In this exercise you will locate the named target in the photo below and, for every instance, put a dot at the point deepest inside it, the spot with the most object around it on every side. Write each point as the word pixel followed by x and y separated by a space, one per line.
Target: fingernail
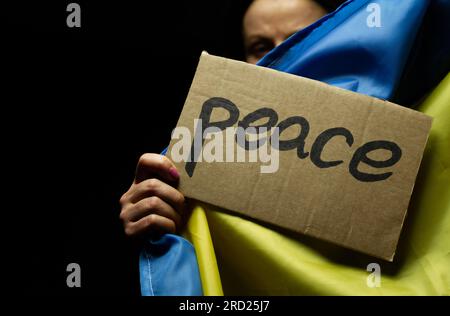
pixel 174 173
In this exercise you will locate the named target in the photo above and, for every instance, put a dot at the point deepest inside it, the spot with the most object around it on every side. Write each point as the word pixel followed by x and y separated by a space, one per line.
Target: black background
pixel 79 108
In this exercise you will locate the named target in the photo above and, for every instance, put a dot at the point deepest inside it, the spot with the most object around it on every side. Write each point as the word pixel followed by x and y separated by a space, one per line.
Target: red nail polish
pixel 174 173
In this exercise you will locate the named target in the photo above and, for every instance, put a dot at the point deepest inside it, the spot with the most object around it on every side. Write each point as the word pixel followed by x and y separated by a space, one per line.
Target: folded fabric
pixel 429 61
pixel 168 266
pixel 347 50
pixel 257 260
pixel 344 50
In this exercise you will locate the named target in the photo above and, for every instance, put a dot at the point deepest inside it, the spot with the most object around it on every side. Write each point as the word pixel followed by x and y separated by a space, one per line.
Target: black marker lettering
pixel 253 117
pixel 205 116
pixel 322 140
pixel 360 155
pixel 299 141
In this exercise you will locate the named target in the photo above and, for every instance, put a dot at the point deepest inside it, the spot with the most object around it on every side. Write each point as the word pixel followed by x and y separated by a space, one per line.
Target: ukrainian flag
pixel 401 59
pixel 239 257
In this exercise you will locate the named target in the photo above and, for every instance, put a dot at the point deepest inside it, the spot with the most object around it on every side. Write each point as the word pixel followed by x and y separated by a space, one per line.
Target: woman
pixel 153 204
pixel 376 61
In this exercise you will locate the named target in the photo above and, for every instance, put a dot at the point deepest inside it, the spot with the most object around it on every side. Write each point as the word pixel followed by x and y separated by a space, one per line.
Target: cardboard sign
pixel 341 165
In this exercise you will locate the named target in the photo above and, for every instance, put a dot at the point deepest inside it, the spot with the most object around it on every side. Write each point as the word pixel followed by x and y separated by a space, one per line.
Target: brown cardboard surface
pixel 316 199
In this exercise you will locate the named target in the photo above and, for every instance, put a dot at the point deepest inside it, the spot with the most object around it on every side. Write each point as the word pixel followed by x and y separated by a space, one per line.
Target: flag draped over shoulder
pixel 362 47
pixel 380 58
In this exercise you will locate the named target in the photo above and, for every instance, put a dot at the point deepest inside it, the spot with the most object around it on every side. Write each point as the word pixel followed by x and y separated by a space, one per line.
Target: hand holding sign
pixel 152 204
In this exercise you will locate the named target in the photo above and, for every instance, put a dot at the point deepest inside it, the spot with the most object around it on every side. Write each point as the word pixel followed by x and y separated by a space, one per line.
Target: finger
pixel 151 223
pixel 153 205
pixel 151 165
pixel 155 187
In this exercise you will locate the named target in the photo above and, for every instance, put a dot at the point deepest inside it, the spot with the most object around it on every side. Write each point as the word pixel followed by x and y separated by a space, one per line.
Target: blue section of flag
pixel 168 266
pixel 363 46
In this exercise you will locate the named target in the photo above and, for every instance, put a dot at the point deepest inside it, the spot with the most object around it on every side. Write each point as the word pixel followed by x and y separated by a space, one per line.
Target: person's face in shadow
pixel 267 23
